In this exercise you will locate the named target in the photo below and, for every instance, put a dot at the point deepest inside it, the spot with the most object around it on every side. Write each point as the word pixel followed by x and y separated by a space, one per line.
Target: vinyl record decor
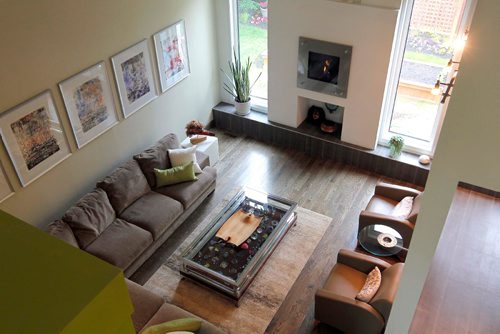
pixel 134 77
pixel 34 137
pixel 5 188
pixel 172 54
pixel 89 103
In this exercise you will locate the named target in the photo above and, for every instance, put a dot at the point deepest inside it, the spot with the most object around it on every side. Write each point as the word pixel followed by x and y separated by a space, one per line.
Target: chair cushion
pixel 415 208
pixel 371 286
pixel 169 312
pixel 170 141
pixel 145 303
pixel 403 208
pixel 62 231
pixel 121 243
pixel 125 185
pixel 91 215
pixel 153 157
pixel 188 192
pixel 383 299
pixel 345 281
pixel 153 212
pixel 380 204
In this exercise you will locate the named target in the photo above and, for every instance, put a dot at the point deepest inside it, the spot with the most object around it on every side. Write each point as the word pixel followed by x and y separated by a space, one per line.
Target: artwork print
pixel 172 55
pixel 34 138
pixel 134 77
pixel 89 103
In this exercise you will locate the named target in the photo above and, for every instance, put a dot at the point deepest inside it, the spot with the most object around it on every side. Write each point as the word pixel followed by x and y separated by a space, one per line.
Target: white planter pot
pixel 242 108
pixel 263 12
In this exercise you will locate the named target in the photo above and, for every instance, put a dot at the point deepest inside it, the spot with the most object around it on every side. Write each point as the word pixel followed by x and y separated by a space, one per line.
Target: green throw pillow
pixel 184 324
pixel 166 177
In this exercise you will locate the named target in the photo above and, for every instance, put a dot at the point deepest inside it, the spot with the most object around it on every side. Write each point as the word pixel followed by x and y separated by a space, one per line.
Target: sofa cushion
pixel 170 141
pixel 145 303
pixel 153 212
pixel 169 312
pixel 91 215
pixel 182 156
pixel 121 243
pixel 125 185
pixel 174 175
pixel 153 157
pixel 62 231
pixel 188 192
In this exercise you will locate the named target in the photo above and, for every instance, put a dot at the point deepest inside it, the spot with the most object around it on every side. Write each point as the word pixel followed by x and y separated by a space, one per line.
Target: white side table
pixel 210 147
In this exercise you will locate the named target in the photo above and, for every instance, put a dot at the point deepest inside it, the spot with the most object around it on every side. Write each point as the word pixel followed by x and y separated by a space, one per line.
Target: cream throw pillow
pixel 182 156
pixel 403 208
pixel 372 284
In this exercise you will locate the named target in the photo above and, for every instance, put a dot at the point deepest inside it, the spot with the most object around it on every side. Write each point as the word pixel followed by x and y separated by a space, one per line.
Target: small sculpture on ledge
pixel 196 128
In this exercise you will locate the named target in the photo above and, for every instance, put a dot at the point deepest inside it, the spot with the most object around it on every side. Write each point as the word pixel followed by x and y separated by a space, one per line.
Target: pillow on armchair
pixel 403 208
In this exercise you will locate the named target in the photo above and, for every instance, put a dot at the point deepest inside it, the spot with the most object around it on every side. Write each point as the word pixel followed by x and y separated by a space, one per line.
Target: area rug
pixel 265 294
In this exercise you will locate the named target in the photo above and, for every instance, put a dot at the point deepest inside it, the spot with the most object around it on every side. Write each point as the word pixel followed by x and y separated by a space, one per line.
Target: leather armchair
pixel 335 303
pixel 379 209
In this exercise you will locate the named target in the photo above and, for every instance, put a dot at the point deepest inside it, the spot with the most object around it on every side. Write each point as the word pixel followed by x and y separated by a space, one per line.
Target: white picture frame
pixel 89 103
pixel 34 138
pixel 6 190
pixel 134 77
pixel 172 55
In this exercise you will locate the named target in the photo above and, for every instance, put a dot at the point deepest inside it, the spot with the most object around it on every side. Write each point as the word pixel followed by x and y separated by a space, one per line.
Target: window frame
pixel 414 145
pixel 258 104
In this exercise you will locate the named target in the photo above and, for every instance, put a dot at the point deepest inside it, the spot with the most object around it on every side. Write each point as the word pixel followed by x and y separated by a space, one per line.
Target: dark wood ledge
pixel 256 125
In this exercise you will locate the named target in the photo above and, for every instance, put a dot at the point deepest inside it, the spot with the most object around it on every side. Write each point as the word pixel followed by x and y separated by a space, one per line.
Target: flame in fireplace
pixel 326 65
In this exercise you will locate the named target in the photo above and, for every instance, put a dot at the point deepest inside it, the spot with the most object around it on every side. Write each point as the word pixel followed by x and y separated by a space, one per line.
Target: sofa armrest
pixel 403 226
pixel 202 159
pixel 361 262
pixel 348 315
pixel 394 191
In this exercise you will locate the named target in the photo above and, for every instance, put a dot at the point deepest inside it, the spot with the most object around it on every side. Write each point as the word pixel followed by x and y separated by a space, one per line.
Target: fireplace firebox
pixel 323 66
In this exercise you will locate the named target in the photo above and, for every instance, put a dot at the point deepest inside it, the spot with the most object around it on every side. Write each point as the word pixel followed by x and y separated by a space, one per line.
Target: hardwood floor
pixel 336 190
pixel 462 291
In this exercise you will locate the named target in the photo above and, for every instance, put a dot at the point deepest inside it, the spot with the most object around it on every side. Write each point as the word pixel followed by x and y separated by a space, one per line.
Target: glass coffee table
pixel 380 240
pixel 229 268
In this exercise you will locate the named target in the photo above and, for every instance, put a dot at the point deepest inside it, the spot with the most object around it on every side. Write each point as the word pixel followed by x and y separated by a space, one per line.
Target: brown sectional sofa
pixel 150 309
pixel 126 218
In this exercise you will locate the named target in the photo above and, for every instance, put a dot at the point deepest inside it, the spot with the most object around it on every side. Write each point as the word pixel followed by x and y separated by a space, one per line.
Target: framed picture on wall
pixel 89 103
pixel 134 77
pixel 34 137
pixel 172 54
pixel 5 187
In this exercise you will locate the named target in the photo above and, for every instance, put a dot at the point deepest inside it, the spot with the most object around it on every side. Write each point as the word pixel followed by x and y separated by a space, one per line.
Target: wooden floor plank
pixel 462 289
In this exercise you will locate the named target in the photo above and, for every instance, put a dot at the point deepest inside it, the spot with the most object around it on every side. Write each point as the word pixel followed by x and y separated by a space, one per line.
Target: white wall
pixel 46 41
pixel 468 150
pixel 369 30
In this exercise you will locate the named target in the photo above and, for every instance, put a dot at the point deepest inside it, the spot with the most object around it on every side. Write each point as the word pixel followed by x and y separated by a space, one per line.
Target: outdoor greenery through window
pixel 433 30
pixel 252 33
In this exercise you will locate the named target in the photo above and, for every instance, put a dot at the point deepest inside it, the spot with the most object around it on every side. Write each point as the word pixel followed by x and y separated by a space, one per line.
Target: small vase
pixel 394 152
pixel 242 108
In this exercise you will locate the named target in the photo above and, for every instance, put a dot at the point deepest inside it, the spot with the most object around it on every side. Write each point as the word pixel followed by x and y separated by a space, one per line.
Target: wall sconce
pixel 437 87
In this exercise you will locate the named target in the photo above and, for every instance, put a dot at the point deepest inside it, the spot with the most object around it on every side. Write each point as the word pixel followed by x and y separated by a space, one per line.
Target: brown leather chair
pixel 335 303
pixel 379 209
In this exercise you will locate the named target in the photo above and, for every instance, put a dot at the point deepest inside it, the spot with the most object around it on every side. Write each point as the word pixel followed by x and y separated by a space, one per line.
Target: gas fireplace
pixel 323 66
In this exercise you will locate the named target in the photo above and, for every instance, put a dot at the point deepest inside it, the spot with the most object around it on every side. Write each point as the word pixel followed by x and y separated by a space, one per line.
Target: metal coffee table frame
pixel 230 287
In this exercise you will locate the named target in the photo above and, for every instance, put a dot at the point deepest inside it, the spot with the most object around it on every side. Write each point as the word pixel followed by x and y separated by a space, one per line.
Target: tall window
pixel 428 41
pixel 252 42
